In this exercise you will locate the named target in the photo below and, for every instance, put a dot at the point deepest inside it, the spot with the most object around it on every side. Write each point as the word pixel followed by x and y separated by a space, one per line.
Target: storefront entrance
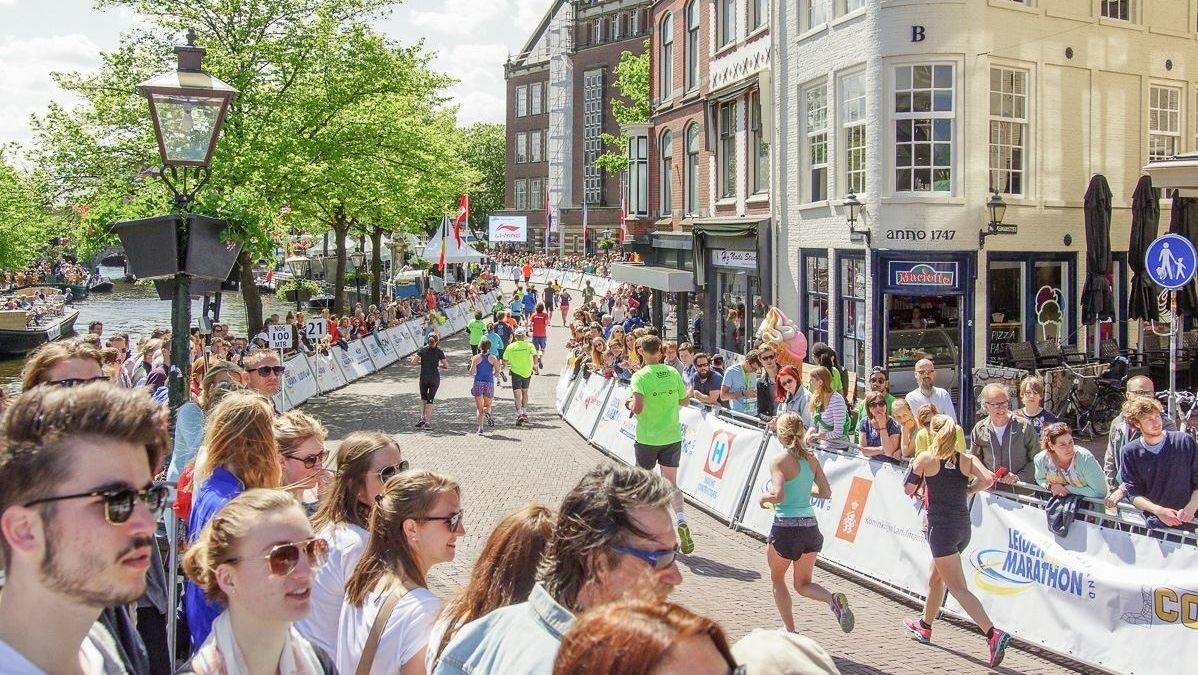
pixel 1032 297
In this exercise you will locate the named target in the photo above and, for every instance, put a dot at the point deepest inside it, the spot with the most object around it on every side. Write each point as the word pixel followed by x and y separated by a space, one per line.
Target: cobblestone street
pixel 726 577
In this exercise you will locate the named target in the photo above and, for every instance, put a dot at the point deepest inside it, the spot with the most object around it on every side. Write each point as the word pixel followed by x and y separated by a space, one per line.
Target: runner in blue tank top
pixel 946 475
pixel 482 366
pixel 795 537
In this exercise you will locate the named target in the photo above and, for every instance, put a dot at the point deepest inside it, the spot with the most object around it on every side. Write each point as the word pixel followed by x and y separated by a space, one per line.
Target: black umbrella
pixel 1098 303
pixel 1145 219
pixel 1183 220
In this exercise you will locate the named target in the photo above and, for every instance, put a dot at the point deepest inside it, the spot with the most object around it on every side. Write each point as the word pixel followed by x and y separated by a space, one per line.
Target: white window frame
pixel 597 32
pixel 666 57
pixel 1117 10
pixel 536 193
pixel 666 163
pixel 691 57
pixel 634 22
pixel 535 147
pixel 728 123
pixel 814 14
pixel 759 171
pixel 1164 120
pixel 638 175
pixel 536 98
pixel 949 116
pixel 593 105
pixel 815 140
pixel 725 23
pixel 522 101
pixel 617 25
pixel 853 112
pixel 1194 147
pixel 1015 121
pixel 691 197
pixel 759 14
pixel 850 6
pixel 521 194
pixel 521 147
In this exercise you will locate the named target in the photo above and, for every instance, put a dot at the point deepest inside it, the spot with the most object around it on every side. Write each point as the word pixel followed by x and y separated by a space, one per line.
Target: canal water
pixel 136 310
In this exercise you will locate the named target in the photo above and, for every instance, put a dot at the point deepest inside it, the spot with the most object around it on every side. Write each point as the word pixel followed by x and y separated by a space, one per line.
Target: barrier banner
pixel 382 353
pixel 280 401
pixel 573 281
pixel 415 329
pixel 597 283
pixel 555 276
pixel 565 387
pixel 539 275
pixel 615 433
pixel 298 380
pixel 869 524
pixel 717 460
pixel 583 410
pixel 328 373
pixel 1092 594
pixel 356 361
pixel 455 323
pixel 401 340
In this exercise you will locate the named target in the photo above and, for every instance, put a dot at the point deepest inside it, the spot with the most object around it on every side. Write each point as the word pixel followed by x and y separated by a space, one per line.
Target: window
pixel 758 14
pixel 638 175
pixel 852 120
pixel 854 5
pixel 815 293
pixel 759 148
pixel 691 188
pixel 634 23
pixel 667 173
pixel 521 194
pixel 1116 9
pixel 817 142
pixel 537 94
pixel 692 45
pixel 534 147
pixel 923 128
pixel 816 14
pixel 536 200
pixel 597 32
pixel 592 128
pixel 521 147
pixel 521 101
pixel 617 25
pixel 852 315
pixel 666 61
pixel 727 157
pixel 727 21
pixel 1164 122
pixel 1008 130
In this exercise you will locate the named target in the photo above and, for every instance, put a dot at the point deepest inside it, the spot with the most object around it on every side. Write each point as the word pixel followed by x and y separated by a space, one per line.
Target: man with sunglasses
pixel 264 372
pixel 879 381
pixel 706 382
pixel 740 384
pixel 614 540
pixel 77 515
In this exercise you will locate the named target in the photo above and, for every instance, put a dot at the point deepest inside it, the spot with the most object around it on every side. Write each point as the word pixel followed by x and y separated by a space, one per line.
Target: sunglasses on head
pixel 388 472
pixel 119 502
pixel 454 520
pixel 284 558
pixel 658 560
pixel 311 461
pixel 76 381
pixel 267 371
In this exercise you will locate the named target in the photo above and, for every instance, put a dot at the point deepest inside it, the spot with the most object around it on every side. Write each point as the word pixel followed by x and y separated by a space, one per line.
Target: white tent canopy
pixel 453 252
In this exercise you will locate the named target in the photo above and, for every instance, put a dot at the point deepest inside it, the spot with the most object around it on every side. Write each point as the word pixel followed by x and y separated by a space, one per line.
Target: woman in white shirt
pixel 365 460
pixel 416 524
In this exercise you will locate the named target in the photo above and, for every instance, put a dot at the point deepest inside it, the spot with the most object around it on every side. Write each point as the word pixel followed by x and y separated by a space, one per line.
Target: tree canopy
pixel 632 81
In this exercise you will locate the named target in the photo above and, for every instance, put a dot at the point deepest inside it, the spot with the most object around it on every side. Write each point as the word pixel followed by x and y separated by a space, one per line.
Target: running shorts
pixel 428 390
pixel 649 456
pixel 946 540
pixel 482 388
pixel 541 343
pixel 793 539
pixel 473 350
pixel 519 382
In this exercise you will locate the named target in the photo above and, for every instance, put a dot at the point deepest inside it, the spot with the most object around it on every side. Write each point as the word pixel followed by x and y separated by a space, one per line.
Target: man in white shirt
pixel 928 392
pixel 77 516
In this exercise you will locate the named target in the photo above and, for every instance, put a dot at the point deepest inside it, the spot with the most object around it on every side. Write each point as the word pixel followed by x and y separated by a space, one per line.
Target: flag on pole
pixel 584 226
pixel 444 232
pixel 623 218
pixel 463 217
pixel 548 221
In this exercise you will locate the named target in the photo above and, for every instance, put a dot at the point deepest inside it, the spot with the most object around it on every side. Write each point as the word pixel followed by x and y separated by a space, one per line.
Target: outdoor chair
pixel 1022 356
pixel 1048 354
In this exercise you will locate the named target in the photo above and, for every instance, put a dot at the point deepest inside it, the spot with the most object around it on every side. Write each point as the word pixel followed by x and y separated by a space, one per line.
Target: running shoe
pixel 490 420
pixel 844 615
pixel 421 424
pixel 918 632
pixel 480 430
pixel 685 543
pixel 998 642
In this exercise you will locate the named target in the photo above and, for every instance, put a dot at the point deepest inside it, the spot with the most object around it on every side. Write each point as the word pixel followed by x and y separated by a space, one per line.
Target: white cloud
pixel 8 3
pixel 25 68
pixel 460 17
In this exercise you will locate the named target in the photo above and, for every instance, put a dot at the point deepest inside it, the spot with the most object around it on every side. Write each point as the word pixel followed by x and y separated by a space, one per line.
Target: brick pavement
pixel 726 578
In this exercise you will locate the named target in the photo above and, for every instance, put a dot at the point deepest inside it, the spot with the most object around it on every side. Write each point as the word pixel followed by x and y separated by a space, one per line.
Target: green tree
pixel 484 149
pixel 632 81
pixel 25 222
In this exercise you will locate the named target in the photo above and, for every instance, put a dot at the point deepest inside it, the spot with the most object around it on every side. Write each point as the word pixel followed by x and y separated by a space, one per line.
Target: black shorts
pixel 946 540
pixel 649 456
pixel 793 542
pixel 428 390
pixel 473 350
pixel 519 382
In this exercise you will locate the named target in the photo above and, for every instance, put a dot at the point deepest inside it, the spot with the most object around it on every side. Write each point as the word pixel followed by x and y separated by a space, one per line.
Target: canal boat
pixel 99 284
pixel 20 333
pixel 78 291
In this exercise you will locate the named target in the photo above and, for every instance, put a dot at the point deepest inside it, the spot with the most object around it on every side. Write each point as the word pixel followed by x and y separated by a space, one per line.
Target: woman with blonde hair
pixel 828 411
pixel 255 559
pixel 366 460
pixel 795 477
pixel 923 437
pixel 908 425
pixel 302 453
pixel 416 524
pixel 220 377
pixel 239 454
pixel 948 476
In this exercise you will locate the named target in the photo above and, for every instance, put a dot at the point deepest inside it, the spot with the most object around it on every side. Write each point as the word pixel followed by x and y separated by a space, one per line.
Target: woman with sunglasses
pixel 881 435
pixel 302 454
pixel 239 454
pixel 66 364
pixel 416 524
pixel 795 477
pixel 791 395
pixel 256 559
pixel 635 637
pixel 1063 468
pixel 366 460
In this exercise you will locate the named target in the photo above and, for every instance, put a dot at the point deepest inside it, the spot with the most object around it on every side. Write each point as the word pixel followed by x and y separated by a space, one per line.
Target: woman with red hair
pixel 791 395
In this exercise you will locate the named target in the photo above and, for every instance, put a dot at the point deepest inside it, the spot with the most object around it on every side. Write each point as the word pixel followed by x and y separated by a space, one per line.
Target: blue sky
pixel 472 39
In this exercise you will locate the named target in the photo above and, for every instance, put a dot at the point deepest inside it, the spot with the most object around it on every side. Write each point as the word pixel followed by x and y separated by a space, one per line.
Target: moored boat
pixel 100 284
pixel 79 291
pixel 20 334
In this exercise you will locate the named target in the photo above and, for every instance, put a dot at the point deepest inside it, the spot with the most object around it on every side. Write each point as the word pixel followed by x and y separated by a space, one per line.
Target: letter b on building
pixel 917 33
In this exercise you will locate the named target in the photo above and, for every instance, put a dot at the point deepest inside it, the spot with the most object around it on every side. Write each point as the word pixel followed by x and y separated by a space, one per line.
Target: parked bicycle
pixel 1090 415
pixel 1187 410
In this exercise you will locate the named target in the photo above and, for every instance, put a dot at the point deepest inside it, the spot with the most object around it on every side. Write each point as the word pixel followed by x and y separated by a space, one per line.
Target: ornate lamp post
pixel 301 268
pixel 358 260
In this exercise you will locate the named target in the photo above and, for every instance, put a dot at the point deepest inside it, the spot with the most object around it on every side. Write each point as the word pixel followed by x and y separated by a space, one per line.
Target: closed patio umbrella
pixel 1145 219
pixel 1098 303
pixel 1183 220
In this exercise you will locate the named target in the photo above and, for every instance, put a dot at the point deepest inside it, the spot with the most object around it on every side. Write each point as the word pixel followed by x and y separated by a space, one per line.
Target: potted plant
pixel 606 244
pixel 303 288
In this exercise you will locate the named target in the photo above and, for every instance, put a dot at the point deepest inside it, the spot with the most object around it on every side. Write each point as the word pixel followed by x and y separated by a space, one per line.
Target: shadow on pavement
pixel 851 667
pixel 710 568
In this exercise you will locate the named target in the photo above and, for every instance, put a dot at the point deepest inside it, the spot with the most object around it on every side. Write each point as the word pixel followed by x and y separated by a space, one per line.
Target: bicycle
pixel 1093 416
pixel 1187 410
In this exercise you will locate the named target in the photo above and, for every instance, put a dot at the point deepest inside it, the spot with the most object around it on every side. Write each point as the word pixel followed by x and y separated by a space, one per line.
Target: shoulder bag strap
pixel 376 629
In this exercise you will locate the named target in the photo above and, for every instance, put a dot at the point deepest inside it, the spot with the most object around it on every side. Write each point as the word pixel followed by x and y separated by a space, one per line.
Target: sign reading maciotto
pixel 905 274
pixel 742 259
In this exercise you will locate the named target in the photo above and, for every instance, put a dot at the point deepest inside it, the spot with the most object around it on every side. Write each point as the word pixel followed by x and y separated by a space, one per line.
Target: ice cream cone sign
pixel 781 334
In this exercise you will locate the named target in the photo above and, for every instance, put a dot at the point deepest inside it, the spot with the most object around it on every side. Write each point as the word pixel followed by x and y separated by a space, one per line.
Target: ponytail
pixel 791 430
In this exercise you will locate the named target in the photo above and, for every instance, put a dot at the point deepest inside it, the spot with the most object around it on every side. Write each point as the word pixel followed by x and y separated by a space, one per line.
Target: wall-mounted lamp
pixel 853 206
pixel 998 209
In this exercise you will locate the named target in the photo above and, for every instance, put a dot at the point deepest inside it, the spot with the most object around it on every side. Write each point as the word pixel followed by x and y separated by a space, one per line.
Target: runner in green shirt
pixel 476 327
pixel 657 392
pixel 519 355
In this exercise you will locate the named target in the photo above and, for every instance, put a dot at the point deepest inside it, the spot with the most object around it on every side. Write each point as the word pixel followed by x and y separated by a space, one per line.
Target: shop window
pixel 759 148
pixel 667 171
pixel 666 60
pixel 691 188
pixel 815 297
pixel 1051 299
pixel 817 142
pixel 1030 299
pixel 852 316
pixel 692 45
pixel 740 307
pixel 924 327
pixel 537 93
pixel 1008 130
pixel 852 112
pixel 727 157
pixel 1164 122
pixel 521 101
pixel 1006 308
pixel 923 128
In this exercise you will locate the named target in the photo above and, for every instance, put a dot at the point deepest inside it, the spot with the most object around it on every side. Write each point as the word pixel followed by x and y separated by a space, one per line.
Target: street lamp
pixel 998 209
pixel 358 259
pixel 853 205
pixel 188 107
pixel 301 268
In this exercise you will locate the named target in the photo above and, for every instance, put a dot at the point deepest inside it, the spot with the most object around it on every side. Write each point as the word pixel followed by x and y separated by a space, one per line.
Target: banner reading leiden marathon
pixel 1124 601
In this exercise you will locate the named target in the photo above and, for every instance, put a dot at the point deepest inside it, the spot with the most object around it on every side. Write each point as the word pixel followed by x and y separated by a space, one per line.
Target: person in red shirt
pixel 430 300
pixel 540 332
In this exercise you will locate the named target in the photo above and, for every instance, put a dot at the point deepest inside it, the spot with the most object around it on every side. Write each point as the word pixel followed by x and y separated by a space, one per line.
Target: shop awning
pixel 665 279
pixel 728 227
pixel 1179 172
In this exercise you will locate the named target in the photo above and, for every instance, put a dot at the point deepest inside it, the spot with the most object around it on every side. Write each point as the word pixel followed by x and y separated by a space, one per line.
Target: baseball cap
pixel 777 652
pixel 521 332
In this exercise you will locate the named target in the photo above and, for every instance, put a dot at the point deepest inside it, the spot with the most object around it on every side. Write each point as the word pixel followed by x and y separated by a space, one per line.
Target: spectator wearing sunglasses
pixel 257 558
pixel 264 372
pixel 302 453
pixel 879 381
pixel 614 539
pixel 78 510
pixel 239 454
pixel 365 461
pixel 634 637
pixel 881 436
pixel 416 524
pixel 67 363
pixel 219 377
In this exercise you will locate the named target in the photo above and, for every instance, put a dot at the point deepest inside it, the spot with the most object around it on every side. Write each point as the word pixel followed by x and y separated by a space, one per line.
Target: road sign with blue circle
pixel 1171 261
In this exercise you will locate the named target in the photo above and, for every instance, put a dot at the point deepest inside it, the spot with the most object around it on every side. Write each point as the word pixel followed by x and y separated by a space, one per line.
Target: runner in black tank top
pixel 946 474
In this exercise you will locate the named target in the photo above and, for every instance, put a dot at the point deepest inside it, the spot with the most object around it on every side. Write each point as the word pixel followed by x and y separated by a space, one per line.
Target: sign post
pixel 1170 262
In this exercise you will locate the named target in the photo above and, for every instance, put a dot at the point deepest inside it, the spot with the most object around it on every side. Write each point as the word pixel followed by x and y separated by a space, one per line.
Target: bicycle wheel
pixel 1104 410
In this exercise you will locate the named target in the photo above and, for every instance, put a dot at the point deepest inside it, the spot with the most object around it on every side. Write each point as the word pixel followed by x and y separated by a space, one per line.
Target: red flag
pixel 463 215
pixel 623 218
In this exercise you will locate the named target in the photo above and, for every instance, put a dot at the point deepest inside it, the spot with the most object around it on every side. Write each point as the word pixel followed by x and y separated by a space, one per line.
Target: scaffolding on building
pixel 561 115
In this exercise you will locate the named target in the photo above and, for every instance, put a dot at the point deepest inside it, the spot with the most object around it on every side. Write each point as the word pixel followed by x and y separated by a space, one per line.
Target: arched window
pixel 667 173
pixel 692 45
pixel 691 187
pixel 666 60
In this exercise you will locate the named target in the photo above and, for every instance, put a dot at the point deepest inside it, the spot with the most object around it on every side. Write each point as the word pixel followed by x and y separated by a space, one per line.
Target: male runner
pixel 476 327
pixel 519 355
pixel 657 392
pixel 540 333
